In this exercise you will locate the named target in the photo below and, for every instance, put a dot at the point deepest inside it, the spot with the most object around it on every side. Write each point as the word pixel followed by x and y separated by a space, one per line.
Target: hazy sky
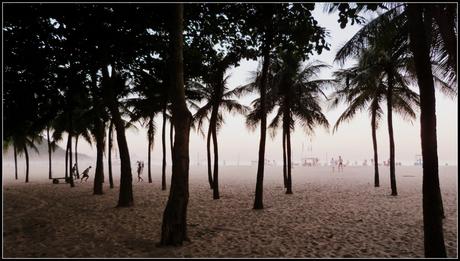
pixel 352 141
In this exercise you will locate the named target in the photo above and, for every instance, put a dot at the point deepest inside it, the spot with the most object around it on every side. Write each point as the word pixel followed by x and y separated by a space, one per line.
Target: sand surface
pixel 329 215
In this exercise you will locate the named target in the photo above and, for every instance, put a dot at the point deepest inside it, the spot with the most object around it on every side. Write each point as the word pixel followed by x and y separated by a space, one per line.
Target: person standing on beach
pixel 85 174
pixel 333 164
pixel 140 166
pixel 340 167
pixel 74 170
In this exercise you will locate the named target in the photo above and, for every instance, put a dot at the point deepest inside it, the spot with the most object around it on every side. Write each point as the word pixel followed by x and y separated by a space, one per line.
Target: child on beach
pixel 85 174
pixel 140 167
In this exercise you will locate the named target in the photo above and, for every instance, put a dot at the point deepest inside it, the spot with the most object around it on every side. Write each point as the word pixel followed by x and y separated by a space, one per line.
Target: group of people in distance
pixel 338 163
pixel 85 174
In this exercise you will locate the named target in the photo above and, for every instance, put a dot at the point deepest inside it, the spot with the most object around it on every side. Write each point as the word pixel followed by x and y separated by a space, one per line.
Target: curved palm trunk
pixel 215 186
pixel 125 198
pixel 27 163
pixel 432 201
pixel 208 153
pixel 50 176
pixel 374 144
pixel 150 134
pixel 284 159
pixel 15 162
pixel 76 156
pixel 110 153
pixel 394 191
pixel 99 173
pixel 289 177
pixel 174 226
pixel 163 140
pixel 258 201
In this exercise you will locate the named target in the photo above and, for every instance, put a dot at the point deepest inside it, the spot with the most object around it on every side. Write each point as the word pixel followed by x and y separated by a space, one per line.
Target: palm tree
pixel 217 95
pixel 363 87
pixel 297 95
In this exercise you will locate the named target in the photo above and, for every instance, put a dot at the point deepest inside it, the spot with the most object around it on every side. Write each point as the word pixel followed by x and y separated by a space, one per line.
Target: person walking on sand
pixel 333 164
pixel 85 174
pixel 340 166
pixel 140 166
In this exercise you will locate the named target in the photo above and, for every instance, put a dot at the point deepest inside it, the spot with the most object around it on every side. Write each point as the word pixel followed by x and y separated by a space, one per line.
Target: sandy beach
pixel 329 215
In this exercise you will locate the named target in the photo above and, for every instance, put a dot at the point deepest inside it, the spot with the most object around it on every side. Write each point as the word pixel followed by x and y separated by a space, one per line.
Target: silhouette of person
pixel 74 170
pixel 340 167
pixel 140 166
pixel 85 174
pixel 333 164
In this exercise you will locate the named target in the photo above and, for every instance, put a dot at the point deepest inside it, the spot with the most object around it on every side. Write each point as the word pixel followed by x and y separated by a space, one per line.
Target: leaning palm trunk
pixel 99 173
pixel 208 153
pixel 110 153
pixel 163 140
pixel 284 159
pixel 174 226
pixel 50 176
pixel 76 156
pixel 215 184
pixel 394 191
pixel 15 162
pixel 374 144
pixel 432 202
pixel 27 163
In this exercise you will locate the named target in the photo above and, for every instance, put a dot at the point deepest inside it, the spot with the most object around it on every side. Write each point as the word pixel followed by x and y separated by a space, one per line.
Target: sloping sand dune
pixel 329 215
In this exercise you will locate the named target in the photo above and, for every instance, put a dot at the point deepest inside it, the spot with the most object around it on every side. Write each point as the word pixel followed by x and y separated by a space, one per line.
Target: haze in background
pixel 352 140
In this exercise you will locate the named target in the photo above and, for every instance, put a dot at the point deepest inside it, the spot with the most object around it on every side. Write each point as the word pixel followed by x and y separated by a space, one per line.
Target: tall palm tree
pixel 297 92
pixel 217 95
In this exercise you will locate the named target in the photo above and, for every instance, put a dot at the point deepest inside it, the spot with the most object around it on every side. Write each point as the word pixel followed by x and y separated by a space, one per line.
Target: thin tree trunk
pixel 171 138
pixel 394 191
pixel 70 160
pixel 174 226
pixel 215 194
pixel 374 144
pixel 76 156
pixel 67 159
pixel 50 176
pixel 258 201
pixel 208 153
pixel 99 173
pixel 289 176
pixel 15 161
pixel 110 154
pixel 27 162
pixel 163 140
pixel 150 138
pixel 432 202
pixel 284 158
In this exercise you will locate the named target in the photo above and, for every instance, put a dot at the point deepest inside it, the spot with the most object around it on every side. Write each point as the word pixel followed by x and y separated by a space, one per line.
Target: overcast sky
pixel 352 140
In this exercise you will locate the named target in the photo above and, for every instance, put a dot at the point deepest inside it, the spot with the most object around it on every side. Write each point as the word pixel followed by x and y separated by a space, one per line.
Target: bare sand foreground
pixel 329 215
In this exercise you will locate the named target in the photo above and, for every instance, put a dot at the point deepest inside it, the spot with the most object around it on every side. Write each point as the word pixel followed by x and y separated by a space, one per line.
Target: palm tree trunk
pixel 258 201
pixel 171 138
pixel 15 161
pixel 374 143
pixel 110 154
pixel 50 176
pixel 394 191
pixel 215 194
pixel 432 202
pixel 150 136
pixel 76 156
pixel 70 161
pixel 99 173
pixel 289 177
pixel 208 153
pixel 27 162
pixel 174 227
pixel 67 160
pixel 163 140
pixel 284 158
